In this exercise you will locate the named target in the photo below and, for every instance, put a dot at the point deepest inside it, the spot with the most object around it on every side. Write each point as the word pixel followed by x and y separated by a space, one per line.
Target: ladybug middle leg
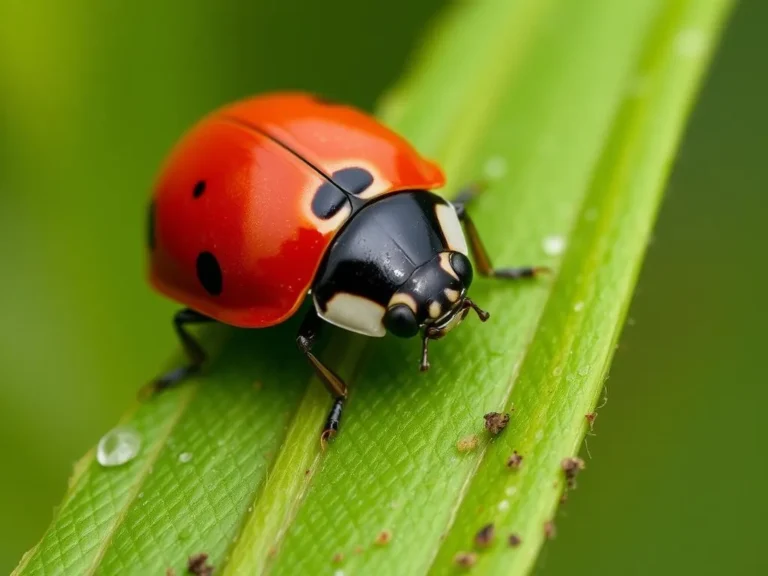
pixel 476 247
pixel 192 348
pixel 308 333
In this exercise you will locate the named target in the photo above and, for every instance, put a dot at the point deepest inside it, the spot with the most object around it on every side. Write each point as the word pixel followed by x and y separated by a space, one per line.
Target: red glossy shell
pixel 254 215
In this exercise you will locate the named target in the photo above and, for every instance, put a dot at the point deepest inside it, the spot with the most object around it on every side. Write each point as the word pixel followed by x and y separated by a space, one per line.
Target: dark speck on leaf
pixel 485 536
pixel 496 422
pixel 549 530
pixel 515 461
pixel 465 559
pixel 572 466
pixel 197 564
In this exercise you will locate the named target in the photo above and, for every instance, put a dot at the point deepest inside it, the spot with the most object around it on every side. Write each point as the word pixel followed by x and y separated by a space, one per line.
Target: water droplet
pixel 140 496
pixel 495 167
pixel 338 573
pixel 557 371
pixel 503 505
pixel 578 307
pixel 118 446
pixel 553 245
pixel 510 491
pixel 250 508
pixel 185 457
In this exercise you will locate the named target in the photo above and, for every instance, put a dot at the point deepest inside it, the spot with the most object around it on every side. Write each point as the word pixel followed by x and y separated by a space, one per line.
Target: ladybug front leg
pixel 192 348
pixel 308 333
pixel 476 247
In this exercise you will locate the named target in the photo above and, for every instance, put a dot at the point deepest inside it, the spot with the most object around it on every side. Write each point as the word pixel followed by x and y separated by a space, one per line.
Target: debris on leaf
pixel 338 558
pixel 358 549
pixel 467 444
pixel 515 461
pixel 465 559
pixel 549 530
pixel 384 538
pixel 514 540
pixel 197 564
pixel 572 466
pixel 170 572
pixel 591 419
pixel 496 422
pixel 485 536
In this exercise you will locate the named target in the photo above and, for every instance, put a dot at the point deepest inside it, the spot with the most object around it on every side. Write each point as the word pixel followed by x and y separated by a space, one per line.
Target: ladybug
pixel 281 197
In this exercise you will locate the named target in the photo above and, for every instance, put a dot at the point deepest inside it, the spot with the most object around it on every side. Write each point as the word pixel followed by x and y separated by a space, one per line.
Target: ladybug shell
pixel 250 199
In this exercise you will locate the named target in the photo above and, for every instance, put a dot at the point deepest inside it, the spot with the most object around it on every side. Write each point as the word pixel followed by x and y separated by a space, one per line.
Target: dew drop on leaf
pixel 495 167
pixel 553 245
pixel 118 446
pixel 185 457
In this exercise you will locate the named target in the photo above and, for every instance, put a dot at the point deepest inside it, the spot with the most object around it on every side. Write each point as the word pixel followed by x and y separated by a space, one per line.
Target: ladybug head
pixel 433 300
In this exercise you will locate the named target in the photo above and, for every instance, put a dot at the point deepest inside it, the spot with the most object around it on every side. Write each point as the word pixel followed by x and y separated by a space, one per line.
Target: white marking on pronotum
pixel 354 313
pixel 445 264
pixel 452 295
pixel 451 227
pixel 401 298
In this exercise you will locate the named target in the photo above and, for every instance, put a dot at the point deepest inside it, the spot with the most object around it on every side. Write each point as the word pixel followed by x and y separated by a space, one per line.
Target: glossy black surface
pixel 328 200
pixel 382 246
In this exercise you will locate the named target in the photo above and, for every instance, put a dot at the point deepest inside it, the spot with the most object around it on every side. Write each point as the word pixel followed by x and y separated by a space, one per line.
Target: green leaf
pixel 572 111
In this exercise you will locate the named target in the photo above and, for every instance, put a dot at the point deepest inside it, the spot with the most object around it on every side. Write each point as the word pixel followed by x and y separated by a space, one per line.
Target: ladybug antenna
pixel 482 314
pixel 425 353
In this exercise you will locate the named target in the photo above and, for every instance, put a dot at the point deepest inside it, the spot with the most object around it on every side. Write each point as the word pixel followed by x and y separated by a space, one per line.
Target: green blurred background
pixel 93 93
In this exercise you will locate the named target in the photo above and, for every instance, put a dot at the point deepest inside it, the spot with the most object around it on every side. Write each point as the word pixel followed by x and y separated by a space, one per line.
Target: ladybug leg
pixel 480 255
pixel 308 333
pixel 194 352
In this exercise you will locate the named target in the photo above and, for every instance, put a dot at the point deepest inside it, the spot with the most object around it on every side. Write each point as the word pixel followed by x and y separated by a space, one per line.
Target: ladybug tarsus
pixel 477 248
pixel 331 427
pixel 192 348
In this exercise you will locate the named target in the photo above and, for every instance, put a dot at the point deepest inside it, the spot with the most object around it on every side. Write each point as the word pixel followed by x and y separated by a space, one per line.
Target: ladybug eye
pixel 401 321
pixel 462 267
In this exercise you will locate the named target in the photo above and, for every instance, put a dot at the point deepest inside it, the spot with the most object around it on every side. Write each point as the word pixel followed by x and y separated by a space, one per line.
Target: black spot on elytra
pixel 151 226
pixel 353 180
pixel 209 273
pixel 199 189
pixel 327 201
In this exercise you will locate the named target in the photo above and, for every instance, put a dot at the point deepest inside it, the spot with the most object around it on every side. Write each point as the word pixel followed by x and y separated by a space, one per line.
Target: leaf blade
pixel 550 95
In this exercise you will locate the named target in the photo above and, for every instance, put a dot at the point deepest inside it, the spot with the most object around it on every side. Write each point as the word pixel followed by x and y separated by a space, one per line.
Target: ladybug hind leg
pixel 308 334
pixel 476 246
pixel 192 348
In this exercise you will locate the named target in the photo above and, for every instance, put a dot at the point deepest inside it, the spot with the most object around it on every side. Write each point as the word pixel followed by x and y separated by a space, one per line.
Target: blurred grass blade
pixel 572 111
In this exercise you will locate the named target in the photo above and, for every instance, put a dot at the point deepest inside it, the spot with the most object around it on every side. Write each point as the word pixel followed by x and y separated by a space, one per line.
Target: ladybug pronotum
pixel 279 197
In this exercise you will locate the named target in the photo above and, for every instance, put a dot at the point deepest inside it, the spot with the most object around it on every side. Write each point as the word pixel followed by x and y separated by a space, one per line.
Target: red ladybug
pixel 278 197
